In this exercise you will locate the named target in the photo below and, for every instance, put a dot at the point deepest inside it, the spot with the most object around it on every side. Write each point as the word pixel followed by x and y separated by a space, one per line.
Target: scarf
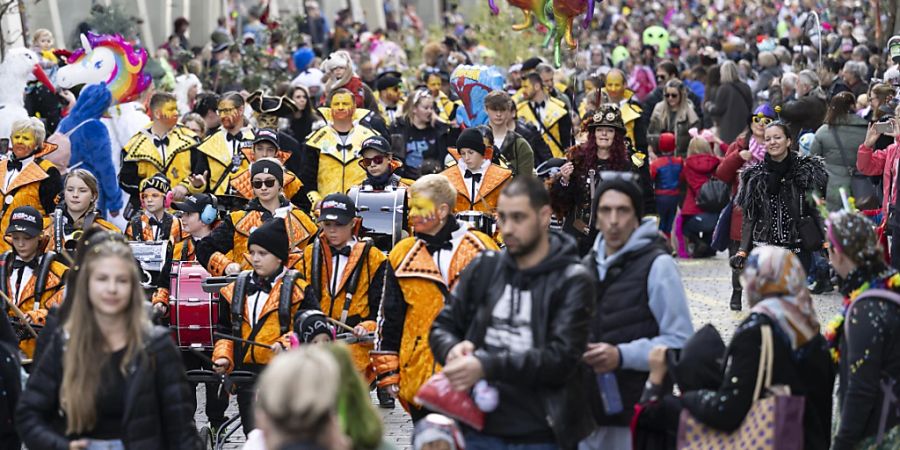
pixel 381 181
pixel 777 172
pixel 776 287
pixel 757 149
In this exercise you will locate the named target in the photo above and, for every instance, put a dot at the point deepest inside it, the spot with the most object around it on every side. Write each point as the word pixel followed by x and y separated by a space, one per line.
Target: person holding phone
pixel 872 162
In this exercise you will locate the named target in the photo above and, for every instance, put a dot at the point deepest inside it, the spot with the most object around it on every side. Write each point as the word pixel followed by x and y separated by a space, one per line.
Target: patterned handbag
pixel 774 421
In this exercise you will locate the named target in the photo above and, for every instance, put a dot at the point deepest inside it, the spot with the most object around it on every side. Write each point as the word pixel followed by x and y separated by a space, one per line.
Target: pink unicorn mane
pixel 128 80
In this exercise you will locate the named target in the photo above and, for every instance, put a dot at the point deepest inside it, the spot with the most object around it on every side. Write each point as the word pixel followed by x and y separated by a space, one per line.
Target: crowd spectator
pixel 675 115
pixel 732 104
pixel 843 131
pixel 698 225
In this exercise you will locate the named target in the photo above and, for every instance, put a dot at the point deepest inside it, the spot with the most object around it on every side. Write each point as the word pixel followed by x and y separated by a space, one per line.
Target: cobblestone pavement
pixel 708 286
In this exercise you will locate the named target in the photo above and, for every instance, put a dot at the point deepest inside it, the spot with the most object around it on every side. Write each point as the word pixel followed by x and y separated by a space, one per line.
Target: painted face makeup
pixel 421 208
pixel 23 143
pixel 615 85
pixel 168 114
pixel 342 106
pixel 228 113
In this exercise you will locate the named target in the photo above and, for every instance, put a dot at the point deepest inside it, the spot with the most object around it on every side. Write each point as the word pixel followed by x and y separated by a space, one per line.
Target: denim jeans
pixel 666 207
pixel 478 441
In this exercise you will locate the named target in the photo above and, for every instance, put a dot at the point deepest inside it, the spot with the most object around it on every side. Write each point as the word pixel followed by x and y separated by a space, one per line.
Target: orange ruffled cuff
pixel 38 317
pixel 217 264
pixel 161 296
pixel 224 348
pixel 387 368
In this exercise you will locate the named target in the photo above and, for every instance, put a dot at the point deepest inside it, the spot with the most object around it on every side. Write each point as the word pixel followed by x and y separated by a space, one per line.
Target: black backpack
pixel 713 195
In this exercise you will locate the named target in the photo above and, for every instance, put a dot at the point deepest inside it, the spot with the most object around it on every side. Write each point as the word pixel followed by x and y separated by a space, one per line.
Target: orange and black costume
pixel 42 290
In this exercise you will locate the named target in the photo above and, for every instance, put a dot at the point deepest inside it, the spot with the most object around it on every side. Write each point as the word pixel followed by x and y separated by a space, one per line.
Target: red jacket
pixel 881 162
pixel 728 172
pixel 698 169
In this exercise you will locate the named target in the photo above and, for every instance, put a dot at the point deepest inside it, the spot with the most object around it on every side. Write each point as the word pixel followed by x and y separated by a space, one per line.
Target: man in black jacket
pixel 519 321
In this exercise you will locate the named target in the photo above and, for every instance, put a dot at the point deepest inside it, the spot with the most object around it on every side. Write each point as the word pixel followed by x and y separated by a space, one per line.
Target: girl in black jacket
pixel 870 342
pixel 107 375
pixel 423 134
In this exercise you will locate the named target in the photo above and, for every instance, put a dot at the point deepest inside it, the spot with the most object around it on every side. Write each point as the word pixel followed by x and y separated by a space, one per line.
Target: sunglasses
pixel 366 162
pixel 671 95
pixel 762 120
pixel 258 184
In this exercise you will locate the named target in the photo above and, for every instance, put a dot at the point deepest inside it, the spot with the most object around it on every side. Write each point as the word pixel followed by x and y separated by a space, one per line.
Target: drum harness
pixel 137 228
pixel 59 233
pixel 352 285
pixel 237 308
pixel 40 281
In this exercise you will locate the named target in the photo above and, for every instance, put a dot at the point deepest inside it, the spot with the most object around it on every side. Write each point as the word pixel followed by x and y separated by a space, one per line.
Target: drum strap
pixel 41 283
pixel 284 300
pixel 7 260
pixel 137 228
pixel 237 311
pixel 59 233
pixel 316 272
pixel 89 221
pixel 166 227
pixel 185 247
pixel 354 280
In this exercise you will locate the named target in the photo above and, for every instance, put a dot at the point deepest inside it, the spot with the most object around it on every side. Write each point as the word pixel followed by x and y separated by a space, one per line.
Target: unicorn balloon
pixel 108 59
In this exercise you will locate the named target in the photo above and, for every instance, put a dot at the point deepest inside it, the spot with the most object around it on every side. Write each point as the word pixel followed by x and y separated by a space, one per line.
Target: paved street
pixel 708 288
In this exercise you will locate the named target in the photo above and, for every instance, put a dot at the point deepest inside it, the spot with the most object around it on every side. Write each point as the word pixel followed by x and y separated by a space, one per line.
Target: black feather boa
pixel 807 173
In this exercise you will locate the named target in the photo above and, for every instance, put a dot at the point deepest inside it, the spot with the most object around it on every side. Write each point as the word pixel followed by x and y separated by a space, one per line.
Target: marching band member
pixel 380 165
pixel 267 145
pixel 260 306
pixel 29 277
pixel 267 110
pixel 333 151
pixel 390 98
pixel 548 114
pixel 27 178
pixel 154 223
pixel 347 276
pixel 224 252
pixel 77 213
pixel 222 153
pixel 163 147
pixel 477 181
pixel 423 269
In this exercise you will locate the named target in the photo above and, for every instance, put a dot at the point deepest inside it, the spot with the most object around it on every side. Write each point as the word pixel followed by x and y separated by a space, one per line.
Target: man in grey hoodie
pixel 641 303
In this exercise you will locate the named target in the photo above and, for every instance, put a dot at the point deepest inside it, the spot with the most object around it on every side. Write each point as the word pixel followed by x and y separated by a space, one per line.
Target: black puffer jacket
pixel 561 293
pixel 158 410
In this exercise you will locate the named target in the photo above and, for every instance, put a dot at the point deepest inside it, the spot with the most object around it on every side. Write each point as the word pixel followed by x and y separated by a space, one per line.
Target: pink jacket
pixel 881 162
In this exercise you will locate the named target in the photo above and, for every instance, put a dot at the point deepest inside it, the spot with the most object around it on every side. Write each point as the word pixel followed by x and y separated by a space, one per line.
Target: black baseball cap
pixel 377 143
pixel 266 135
pixel 26 219
pixel 337 207
pixel 194 203
pixel 388 80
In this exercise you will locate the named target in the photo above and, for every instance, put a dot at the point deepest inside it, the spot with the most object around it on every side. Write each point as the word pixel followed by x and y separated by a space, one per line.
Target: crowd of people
pixel 512 284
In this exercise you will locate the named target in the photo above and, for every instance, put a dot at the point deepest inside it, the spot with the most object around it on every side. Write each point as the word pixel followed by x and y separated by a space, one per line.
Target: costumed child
pixel 25 177
pixel 76 213
pixel 346 275
pixel 377 159
pixel 423 268
pixel 154 223
pixel 260 306
pixel 665 172
pixel 42 42
pixel 312 327
pixel 31 278
pixel 224 252
pixel 477 181
pixel 267 145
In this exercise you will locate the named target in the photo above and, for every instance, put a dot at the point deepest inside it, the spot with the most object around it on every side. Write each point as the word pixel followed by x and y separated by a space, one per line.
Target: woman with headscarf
pixel 867 347
pixel 775 286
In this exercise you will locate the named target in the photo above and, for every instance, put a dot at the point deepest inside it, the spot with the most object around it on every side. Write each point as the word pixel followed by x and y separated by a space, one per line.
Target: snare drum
pixel 195 313
pixel 383 215
pixel 480 221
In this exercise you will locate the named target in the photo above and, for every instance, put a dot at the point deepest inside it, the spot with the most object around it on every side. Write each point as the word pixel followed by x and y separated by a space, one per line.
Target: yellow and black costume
pixel 146 155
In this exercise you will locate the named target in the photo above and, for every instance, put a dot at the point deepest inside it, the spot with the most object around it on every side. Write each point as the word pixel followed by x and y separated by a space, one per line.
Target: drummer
pixel 154 223
pixel 346 275
pixel 477 181
pixel 267 313
pixel 21 269
pixel 380 166
pixel 266 144
pixel 77 212
pixel 225 251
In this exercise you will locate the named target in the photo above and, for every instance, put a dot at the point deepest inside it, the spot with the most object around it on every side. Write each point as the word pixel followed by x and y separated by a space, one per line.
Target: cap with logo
pixel 337 207
pixel 26 219
pixel 266 135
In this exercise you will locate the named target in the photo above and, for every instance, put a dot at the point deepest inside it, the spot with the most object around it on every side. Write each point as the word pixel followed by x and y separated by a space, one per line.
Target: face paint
pixel 23 143
pixel 167 114
pixel 615 85
pixel 421 207
pixel 342 106
pixel 228 113
pixel 434 84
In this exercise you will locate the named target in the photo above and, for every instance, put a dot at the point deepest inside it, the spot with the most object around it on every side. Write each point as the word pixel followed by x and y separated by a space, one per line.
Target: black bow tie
pixel 474 176
pixel 161 142
pixel 434 247
pixel 13 164
pixel 537 105
pixel 390 108
pixel 343 147
pixel 345 251
pixel 154 222
pixel 234 137
pixel 258 284
pixel 19 264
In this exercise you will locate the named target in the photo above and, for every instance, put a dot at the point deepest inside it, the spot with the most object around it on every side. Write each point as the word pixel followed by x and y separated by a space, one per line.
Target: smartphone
pixel 884 127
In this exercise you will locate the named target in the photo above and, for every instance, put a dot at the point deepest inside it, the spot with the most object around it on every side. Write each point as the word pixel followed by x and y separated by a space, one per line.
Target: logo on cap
pixel 24 216
pixel 331 204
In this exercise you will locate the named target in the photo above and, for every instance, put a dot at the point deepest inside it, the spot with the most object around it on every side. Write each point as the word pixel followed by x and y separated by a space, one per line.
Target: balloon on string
pixel 472 84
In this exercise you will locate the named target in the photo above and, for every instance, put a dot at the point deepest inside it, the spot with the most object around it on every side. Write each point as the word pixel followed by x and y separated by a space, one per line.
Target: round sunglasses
pixel 366 162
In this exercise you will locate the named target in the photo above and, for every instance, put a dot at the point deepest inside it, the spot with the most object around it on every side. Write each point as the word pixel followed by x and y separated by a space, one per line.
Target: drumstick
pixel 341 324
pixel 245 341
pixel 18 312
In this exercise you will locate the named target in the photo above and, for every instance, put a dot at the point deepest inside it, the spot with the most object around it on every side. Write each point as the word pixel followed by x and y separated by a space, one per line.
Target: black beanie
pixel 312 323
pixel 471 138
pixel 273 237
pixel 270 166
pixel 629 188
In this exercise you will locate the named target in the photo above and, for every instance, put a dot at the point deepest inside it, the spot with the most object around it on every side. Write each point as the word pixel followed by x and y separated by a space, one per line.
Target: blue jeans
pixel 478 441
pixel 666 207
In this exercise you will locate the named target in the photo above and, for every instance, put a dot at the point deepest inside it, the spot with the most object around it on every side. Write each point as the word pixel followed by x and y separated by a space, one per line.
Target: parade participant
pixel 267 144
pixel 347 277
pixel 162 147
pixel 267 111
pixel 106 331
pixel 27 178
pixel 224 252
pixel 476 180
pixel 525 338
pixel 423 269
pixel 380 165
pixel 424 133
pixel 605 150
pixel 390 98
pixel 154 223
pixel 548 114
pixel 444 106
pixel 260 306
pixel 312 327
pixel 333 151
pixel 666 174
pixel 77 213
pixel 31 278
pixel 616 91
pixel 222 153
pixel 513 151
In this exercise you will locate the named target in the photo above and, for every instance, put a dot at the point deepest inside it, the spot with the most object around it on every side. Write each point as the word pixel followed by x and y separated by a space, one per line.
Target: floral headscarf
pixel 775 284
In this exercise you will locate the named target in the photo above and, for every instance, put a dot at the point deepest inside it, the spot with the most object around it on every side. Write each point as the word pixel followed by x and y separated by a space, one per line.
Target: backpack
pixel 713 195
